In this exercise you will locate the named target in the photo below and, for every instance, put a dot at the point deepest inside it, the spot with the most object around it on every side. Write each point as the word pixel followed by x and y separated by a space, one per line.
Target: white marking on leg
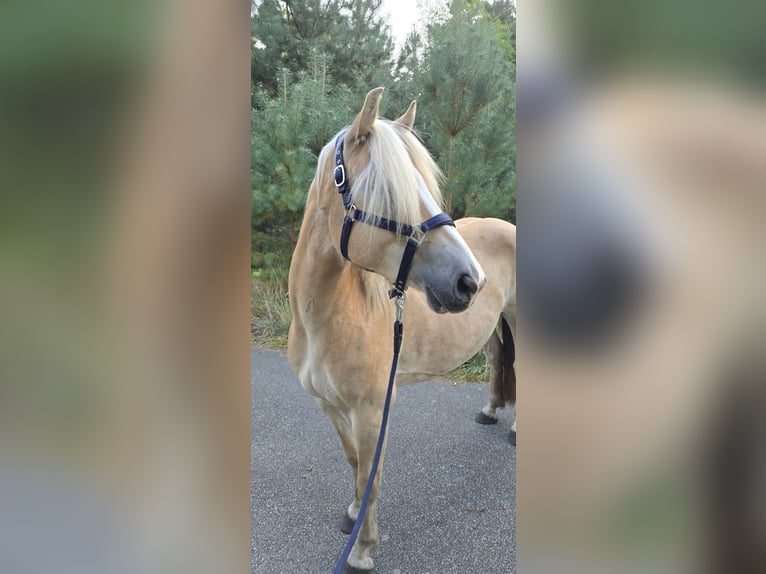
pixel 360 559
pixel 489 411
pixel 513 426
pixel 353 510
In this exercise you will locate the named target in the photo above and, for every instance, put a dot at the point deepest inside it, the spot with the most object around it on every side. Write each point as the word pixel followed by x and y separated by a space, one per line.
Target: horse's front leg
pixel 342 425
pixel 365 423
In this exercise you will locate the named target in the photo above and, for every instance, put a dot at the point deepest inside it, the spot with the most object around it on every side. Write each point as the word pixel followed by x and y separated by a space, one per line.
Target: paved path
pixel 446 504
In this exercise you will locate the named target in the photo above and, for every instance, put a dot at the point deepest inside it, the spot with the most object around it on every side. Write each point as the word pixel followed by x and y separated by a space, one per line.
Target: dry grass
pixel 269 308
pixel 474 370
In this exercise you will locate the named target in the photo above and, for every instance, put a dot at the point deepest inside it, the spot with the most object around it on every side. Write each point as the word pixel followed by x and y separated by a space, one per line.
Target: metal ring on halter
pixel 418 235
pixel 342 175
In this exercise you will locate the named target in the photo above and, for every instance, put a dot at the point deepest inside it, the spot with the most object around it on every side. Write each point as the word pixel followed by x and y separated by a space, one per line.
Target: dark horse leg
pixel 501 355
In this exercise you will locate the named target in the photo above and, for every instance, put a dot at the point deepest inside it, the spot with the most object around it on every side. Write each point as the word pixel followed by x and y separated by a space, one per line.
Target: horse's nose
pixel 466 287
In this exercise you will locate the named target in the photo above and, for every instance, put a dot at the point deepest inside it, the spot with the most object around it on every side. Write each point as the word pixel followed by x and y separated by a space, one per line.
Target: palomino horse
pixel 340 343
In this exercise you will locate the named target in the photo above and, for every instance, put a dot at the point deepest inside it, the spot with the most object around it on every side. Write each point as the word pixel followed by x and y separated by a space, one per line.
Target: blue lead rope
pixel 398 331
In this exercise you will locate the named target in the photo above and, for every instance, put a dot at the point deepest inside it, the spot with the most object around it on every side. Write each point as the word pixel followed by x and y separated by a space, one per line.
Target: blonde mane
pixel 388 186
pixel 423 162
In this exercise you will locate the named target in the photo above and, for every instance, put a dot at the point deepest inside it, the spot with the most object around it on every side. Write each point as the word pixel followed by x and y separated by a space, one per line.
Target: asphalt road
pixel 446 504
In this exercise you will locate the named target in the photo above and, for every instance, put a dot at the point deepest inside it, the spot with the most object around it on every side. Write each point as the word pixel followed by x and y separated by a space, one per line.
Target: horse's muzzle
pixel 461 295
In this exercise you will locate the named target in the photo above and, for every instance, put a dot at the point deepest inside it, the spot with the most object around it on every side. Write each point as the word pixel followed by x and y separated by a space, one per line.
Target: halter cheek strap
pixel 415 234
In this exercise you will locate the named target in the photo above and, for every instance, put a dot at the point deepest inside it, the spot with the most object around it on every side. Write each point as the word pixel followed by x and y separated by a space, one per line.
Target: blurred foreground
pixel 642 178
pixel 124 396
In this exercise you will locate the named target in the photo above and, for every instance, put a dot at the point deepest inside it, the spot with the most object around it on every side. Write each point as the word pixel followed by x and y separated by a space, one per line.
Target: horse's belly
pixel 437 344
pixel 436 365
pixel 430 355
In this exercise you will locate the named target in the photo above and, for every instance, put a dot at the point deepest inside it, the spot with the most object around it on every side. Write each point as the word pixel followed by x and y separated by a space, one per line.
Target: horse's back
pixel 490 229
pixel 493 242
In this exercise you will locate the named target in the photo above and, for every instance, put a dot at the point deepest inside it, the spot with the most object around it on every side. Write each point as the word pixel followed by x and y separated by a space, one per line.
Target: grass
pixel 474 370
pixel 270 313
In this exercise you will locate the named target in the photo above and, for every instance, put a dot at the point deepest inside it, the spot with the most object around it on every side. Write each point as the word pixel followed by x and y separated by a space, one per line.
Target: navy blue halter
pixel 414 233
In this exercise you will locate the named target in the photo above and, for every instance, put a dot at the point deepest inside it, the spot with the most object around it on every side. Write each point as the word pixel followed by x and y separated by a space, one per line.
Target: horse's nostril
pixel 467 284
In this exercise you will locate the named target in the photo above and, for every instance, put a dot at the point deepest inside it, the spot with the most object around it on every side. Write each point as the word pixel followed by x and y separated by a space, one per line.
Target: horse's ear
pixel 363 122
pixel 407 119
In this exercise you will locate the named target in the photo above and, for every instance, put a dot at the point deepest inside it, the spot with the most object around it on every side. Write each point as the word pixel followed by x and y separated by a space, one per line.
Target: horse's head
pixel 392 179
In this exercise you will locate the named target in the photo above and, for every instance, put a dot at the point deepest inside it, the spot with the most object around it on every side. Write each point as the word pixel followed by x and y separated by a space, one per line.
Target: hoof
pixel 483 419
pixel 351 570
pixel 512 437
pixel 346 524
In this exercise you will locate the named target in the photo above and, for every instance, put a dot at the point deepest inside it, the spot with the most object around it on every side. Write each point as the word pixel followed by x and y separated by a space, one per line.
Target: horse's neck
pixel 332 284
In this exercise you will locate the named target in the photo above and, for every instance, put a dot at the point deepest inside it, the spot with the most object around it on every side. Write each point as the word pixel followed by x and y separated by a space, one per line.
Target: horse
pixel 339 342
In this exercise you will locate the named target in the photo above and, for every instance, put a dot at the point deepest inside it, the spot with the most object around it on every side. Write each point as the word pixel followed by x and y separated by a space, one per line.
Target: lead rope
pixel 398 331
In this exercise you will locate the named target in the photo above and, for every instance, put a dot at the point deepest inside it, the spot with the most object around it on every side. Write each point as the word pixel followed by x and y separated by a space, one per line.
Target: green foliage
pixel 288 132
pixel 474 370
pixel 351 34
pixel 466 82
pixel 270 313
pixel 503 12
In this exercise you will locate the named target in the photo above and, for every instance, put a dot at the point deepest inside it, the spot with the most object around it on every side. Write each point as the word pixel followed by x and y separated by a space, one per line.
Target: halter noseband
pixel 415 233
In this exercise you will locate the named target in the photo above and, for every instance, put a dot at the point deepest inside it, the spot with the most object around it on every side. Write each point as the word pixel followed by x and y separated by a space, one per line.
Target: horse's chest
pixel 316 372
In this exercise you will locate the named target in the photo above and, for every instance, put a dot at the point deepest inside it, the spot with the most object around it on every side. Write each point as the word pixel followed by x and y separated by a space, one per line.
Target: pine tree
pixel 351 33
pixel 313 61
pixel 466 82
pixel 288 132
